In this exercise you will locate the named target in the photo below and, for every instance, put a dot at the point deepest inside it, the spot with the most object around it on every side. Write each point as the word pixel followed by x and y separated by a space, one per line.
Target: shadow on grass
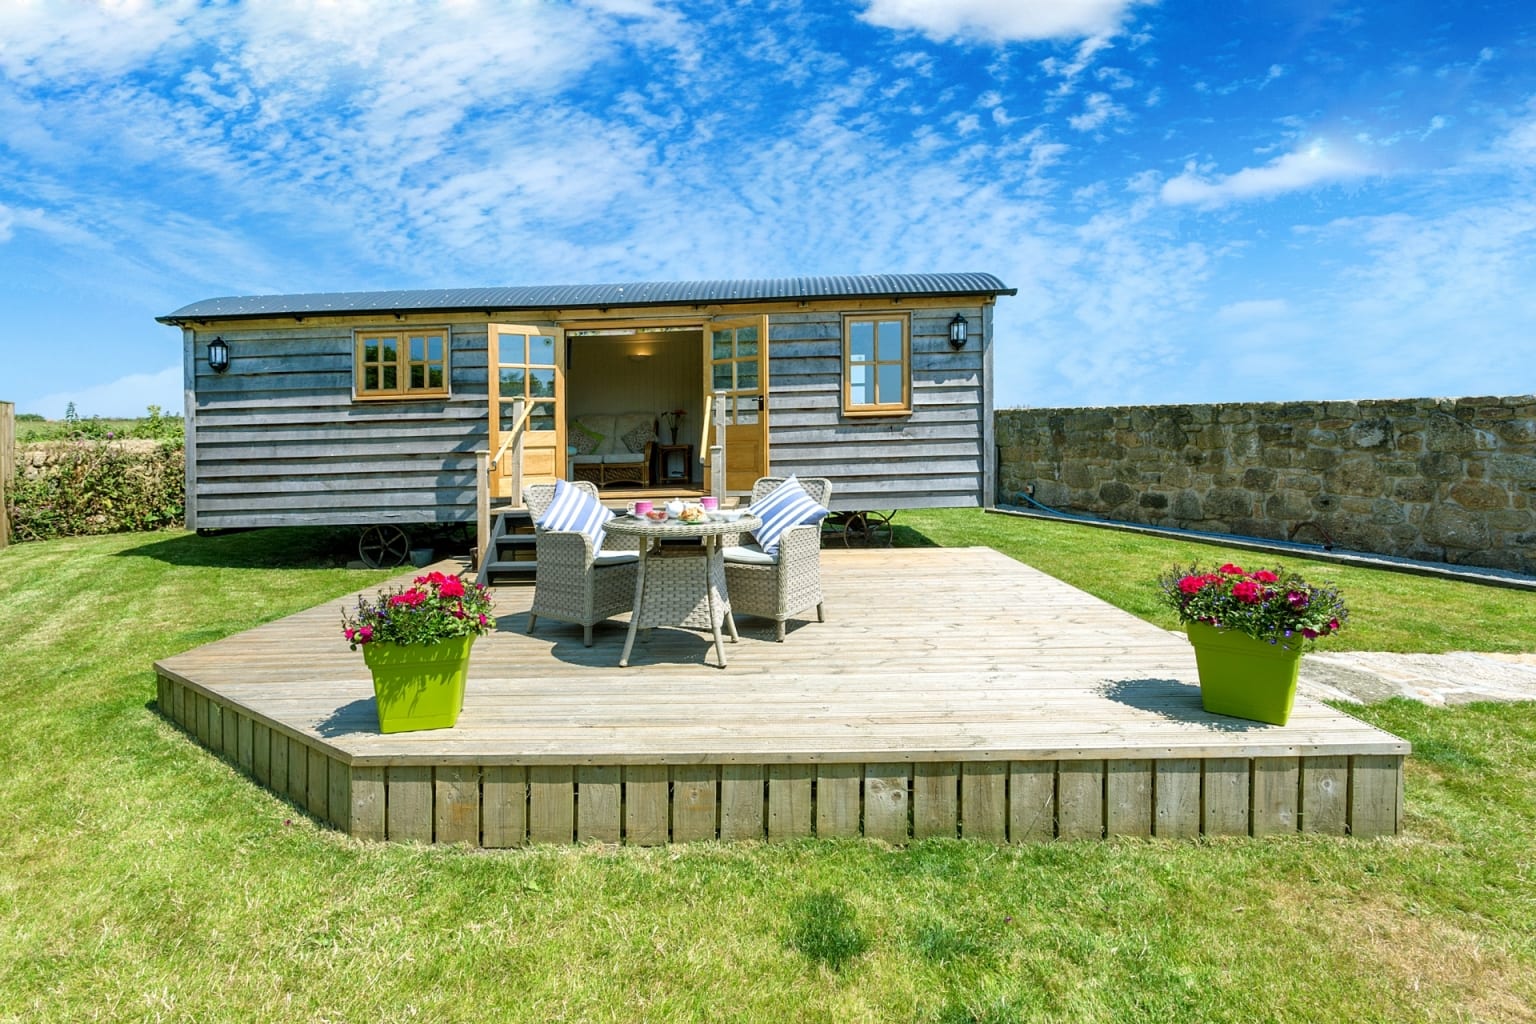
pixel 1174 701
pixel 288 547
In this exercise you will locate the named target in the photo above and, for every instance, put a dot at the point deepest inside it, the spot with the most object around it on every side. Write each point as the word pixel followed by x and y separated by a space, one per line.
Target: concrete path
pixel 1440 679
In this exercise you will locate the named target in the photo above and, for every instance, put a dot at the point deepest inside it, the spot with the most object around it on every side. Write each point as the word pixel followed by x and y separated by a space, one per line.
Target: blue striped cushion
pixel 785 506
pixel 574 510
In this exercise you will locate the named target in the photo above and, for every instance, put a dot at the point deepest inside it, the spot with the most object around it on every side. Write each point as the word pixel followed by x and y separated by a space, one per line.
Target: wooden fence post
pixel 7 467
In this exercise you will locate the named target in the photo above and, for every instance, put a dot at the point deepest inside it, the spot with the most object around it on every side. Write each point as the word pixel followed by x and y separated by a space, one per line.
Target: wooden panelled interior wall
pixel 932 458
pixel 279 440
pixel 602 376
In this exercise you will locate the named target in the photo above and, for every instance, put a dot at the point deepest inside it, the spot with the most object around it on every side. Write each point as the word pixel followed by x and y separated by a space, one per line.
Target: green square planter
pixel 1245 678
pixel 418 686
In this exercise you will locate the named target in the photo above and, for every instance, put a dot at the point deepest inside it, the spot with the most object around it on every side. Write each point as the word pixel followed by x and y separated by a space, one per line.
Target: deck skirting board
pixel 1013 801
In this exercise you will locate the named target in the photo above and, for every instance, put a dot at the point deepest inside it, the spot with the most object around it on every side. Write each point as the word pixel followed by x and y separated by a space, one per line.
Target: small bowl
pixel 657 515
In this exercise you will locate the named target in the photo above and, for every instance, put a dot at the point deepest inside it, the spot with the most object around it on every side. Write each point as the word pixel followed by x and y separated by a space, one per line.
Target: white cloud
pixel 123 398
pixel 1250 310
pixel 1000 21
pixel 1294 171
pixel 1098 110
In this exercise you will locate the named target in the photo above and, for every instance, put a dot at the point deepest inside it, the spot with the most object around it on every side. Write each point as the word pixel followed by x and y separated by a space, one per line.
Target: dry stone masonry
pixel 1442 479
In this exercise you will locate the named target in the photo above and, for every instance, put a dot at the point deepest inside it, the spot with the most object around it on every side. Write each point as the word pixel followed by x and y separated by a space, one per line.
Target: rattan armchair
pixel 572 583
pixel 784 584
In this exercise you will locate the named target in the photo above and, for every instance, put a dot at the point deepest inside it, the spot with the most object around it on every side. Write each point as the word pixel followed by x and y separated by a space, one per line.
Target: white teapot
pixel 675 507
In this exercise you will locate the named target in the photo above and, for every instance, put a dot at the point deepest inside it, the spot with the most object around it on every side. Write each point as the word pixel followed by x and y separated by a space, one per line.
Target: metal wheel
pixel 383 547
pixel 856 531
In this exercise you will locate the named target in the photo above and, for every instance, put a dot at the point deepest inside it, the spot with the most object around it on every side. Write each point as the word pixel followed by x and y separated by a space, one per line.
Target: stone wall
pixel 1448 480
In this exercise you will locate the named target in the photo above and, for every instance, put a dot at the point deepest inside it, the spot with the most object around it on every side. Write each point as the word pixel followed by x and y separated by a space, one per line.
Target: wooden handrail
pixel 709 402
pixel 512 435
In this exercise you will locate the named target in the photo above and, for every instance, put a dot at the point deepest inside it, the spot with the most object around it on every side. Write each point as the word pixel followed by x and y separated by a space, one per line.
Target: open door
pixel 527 363
pixel 736 363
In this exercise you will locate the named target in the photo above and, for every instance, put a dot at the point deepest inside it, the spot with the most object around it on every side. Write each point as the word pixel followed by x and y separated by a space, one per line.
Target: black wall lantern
pixel 218 353
pixel 957 329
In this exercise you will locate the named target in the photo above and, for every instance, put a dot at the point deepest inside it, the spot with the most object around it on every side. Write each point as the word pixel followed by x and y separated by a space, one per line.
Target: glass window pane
pixel 435 348
pixel 890 341
pixel 541 349
pixel 722 344
pixel 418 376
pixel 861 341
pixel 416 344
pixel 512 348
pixel 541 383
pixel 511 383
pixel 435 378
pixel 389 349
pixel 723 378
pixel 861 389
pixel 890 384
pixel 370 378
pixel 370 350
pixel 391 380
pixel 746 376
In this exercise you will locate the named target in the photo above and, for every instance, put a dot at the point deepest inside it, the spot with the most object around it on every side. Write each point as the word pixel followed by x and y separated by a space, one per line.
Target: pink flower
pixel 482 619
pixel 1298 599
pixel 1231 570
pixel 1310 634
pixel 1247 592
pixel 410 598
pixel 365 634
pixel 450 586
pixel 349 632
pixel 1265 576
pixel 1192 584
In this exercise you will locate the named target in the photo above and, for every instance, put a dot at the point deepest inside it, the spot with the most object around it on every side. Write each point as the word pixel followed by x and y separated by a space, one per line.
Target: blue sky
pixel 1197 201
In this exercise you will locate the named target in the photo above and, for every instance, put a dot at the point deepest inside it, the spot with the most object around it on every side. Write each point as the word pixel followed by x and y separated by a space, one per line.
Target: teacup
pixel 709 503
pixel 641 508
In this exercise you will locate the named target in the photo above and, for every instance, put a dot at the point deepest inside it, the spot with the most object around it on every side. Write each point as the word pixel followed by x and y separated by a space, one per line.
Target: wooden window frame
pixel 403 362
pixel 902 408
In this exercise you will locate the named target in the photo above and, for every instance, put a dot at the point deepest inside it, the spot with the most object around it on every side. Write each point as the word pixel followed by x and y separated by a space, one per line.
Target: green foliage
pixel 823 929
pixel 436 607
pixel 94 487
pixel 156 426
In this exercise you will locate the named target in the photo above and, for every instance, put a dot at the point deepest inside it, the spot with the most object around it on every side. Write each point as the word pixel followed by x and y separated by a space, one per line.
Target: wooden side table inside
pixel 665 471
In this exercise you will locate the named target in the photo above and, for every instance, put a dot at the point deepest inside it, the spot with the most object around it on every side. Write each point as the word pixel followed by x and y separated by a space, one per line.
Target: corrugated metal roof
pixel 588 296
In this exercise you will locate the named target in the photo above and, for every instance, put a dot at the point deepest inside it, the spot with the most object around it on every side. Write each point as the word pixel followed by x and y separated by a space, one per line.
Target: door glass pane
pixel 746 341
pixel 890 341
pixel 890 384
pixel 511 382
pixel 746 375
pixel 508 417
pixel 721 344
pixel 723 378
pixel 541 383
pixel 513 350
pixel 543 417
pixel 541 349
pixel 746 410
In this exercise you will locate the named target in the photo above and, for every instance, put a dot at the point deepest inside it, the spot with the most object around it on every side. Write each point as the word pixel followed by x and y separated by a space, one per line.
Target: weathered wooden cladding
pixel 279 439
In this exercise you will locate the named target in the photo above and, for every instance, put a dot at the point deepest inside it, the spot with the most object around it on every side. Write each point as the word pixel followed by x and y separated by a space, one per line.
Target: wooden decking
pixel 950 693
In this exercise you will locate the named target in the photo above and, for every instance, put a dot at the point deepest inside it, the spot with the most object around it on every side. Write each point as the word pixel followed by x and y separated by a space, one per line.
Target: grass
pixel 1389 611
pixel 142 879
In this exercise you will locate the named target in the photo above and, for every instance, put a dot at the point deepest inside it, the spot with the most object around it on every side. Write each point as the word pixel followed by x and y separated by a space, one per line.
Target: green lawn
pixel 142 879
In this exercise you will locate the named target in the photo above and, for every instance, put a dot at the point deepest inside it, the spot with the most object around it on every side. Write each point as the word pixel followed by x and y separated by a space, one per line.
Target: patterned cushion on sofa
pixel 583 438
pixel 638 436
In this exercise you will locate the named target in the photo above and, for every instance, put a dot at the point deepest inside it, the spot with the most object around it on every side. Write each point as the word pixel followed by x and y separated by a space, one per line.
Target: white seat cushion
pixel 785 506
pixel 616 557
pixel 748 554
